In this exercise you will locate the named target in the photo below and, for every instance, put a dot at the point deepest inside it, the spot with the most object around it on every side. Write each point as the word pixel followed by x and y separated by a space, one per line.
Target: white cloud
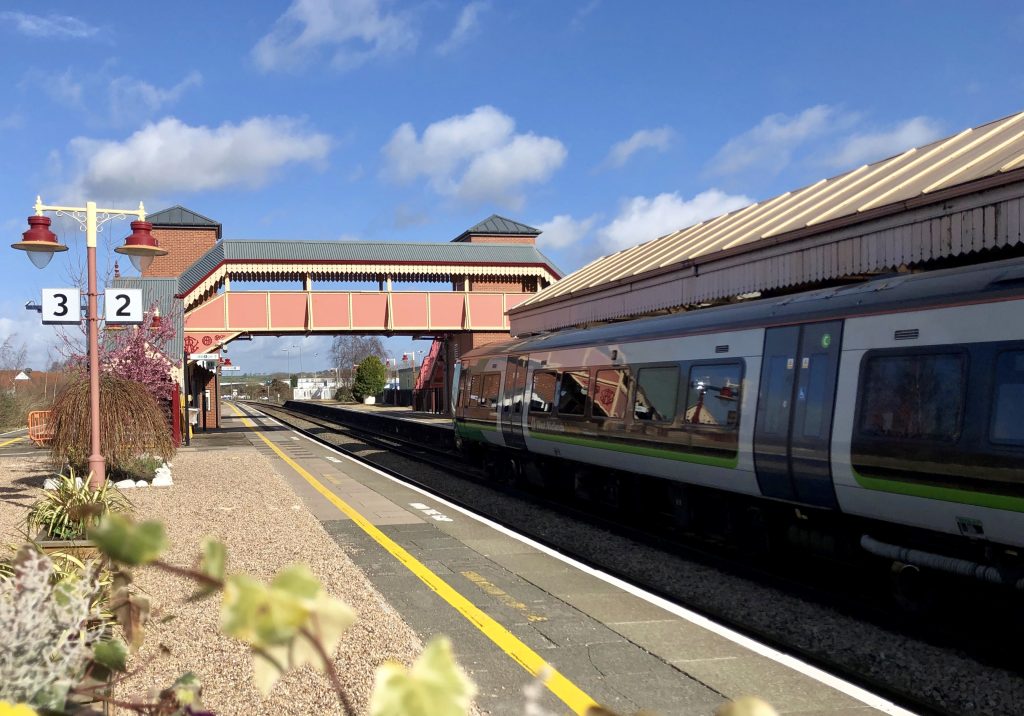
pixel 581 14
pixel 475 157
pixel 63 88
pixel 23 328
pixel 467 24
pixel 353 32
pixel 171 156
pixel 127 99
pixel 130 96
pixel 872 147
pixel 563 231
pixel 53 25
pixel 770 144
pixel 642 219
pixel 658 139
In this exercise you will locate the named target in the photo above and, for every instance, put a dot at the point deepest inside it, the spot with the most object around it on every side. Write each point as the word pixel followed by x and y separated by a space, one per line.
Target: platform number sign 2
pixel 62 306
pixel 123 305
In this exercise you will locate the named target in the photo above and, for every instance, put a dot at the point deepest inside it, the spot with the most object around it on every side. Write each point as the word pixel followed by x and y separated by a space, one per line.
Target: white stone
pixel 369 400
pixel 162 481
pixel 78 482
pixel 142 483
pixel 50 483
pixel 124 484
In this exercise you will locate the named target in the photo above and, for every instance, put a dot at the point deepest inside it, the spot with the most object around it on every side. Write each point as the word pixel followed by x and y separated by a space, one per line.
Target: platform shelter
pixel 955 201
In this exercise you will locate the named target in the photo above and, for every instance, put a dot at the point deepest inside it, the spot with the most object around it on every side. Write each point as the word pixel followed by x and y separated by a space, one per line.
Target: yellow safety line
pixel 14 440
pixel 574 697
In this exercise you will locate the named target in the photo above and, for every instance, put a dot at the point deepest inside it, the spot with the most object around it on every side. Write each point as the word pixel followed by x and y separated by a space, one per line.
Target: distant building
pixel 314 389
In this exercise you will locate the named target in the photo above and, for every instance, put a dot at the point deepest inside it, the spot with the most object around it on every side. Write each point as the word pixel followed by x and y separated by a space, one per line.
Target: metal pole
pixel 97 465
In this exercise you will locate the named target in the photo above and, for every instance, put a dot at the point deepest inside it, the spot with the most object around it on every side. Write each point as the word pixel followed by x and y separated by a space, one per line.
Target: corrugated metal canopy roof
pixel 971 155
pixel 161 291
pixel 448 254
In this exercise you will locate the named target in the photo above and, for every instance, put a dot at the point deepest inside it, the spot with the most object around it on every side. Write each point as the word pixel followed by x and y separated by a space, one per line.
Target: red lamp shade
pixel 141 247
pixel 156 321
pixel 40 243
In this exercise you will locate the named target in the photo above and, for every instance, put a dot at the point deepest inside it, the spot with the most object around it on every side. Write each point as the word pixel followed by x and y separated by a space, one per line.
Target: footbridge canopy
pixel 483 278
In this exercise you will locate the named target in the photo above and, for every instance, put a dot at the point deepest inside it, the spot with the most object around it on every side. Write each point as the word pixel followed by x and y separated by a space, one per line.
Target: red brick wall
pixel 213 408
pixel 184 245
pixel 483 239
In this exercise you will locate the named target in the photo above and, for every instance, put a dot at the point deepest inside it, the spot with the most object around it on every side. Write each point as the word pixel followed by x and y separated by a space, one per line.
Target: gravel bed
pixel 20 481
pixel 951 681
pixel 235 495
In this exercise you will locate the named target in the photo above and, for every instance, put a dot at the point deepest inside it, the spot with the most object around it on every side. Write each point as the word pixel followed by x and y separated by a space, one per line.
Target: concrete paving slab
pixel 623 607
pixel 785 689
pixel 678 640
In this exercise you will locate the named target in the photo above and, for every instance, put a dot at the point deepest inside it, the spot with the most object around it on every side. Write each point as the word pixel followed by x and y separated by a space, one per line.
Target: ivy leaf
pixel 112 654
pixel 434 686
pixel 297 581
pixel 127 542
pixel 186 689
pixel 131 611
pixel 212 565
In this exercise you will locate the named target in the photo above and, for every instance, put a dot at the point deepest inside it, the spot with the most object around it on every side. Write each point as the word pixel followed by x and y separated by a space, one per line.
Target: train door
pixel 512 408
pixel 793 428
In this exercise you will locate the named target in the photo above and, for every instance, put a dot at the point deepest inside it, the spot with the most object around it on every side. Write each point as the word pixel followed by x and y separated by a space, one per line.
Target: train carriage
pixel 893 407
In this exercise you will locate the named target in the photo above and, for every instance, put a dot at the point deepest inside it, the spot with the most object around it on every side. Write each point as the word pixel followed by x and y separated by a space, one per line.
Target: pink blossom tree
pixel 137 353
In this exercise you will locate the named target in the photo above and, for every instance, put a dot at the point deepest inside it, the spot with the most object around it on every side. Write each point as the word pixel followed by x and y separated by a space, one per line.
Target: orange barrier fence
pixel 39 430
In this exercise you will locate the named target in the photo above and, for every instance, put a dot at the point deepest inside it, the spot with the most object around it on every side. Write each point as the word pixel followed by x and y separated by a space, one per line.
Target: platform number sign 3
pixel 62 306
pixel 123 305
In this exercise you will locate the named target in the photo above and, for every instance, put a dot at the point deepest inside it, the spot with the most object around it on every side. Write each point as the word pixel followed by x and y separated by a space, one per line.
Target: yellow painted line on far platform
pixel 11 441
pixel 573 697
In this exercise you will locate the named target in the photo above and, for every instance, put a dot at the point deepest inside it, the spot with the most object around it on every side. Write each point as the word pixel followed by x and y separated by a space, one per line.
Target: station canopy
pixel 952 197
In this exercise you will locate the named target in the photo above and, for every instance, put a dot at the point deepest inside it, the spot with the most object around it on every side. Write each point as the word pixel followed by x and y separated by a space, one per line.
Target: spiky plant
pixel 132 424
pixel 66 511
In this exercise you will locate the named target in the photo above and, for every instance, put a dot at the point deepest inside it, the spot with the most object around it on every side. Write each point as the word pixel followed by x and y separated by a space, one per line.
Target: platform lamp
pixel 41 244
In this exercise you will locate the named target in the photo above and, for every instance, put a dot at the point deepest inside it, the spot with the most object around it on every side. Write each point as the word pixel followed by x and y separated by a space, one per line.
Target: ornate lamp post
pixel 41 244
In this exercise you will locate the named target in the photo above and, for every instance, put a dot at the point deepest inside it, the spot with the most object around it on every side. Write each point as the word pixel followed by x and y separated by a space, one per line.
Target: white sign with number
pixel 123 305
pixel 62 306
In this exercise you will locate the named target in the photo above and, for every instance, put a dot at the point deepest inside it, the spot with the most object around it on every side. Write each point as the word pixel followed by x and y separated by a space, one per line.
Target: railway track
pixel 829 590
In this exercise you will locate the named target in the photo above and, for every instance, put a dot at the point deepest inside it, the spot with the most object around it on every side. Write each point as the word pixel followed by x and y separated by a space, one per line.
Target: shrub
pixel 343 395
pixel 132 424
pixel 72 507
pixel 371 377
pixel 58 626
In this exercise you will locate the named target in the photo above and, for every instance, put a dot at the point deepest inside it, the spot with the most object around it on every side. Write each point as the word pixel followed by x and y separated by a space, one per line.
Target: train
pixel 884 417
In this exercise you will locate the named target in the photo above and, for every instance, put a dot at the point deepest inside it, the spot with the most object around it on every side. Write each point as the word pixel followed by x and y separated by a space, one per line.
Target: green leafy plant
pixel 66 511
pixel 371 377
pixel 57 625
pixel 132 424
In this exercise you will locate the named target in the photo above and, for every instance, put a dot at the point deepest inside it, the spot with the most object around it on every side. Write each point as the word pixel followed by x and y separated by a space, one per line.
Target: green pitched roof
pixel 495 225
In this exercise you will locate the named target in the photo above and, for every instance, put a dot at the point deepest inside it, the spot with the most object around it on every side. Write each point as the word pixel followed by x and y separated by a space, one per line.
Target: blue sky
pixel 603 123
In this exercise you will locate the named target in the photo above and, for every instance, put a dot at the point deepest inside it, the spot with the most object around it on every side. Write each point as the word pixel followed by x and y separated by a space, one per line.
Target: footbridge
pixel 482 282
pixel 218 290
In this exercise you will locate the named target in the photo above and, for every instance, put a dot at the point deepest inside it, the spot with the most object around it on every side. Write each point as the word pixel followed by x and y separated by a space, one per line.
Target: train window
pixel 913 396
pixel 611 390
pixel 473 399
pixel 489 392
pixel 1008 406
pixel 816 400
pixel 656 393
pixel 464 389
pixel 542 396
pixel 713 395
pixel 776 392
pixel 572 392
